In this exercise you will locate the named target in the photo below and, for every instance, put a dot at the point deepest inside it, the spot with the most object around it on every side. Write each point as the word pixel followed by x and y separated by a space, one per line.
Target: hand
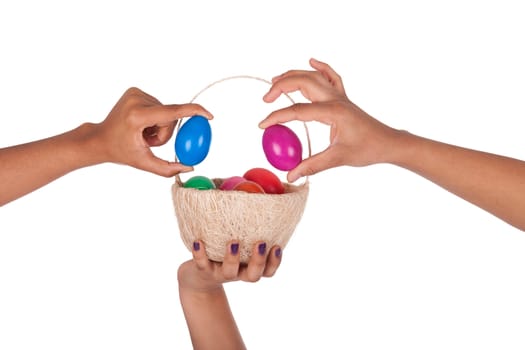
pixel 201 274
pixel 137 122
pixel 356 138
pixel 206 309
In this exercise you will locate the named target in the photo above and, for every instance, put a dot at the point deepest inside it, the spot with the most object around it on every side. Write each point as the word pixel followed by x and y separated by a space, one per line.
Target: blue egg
pixel 192 142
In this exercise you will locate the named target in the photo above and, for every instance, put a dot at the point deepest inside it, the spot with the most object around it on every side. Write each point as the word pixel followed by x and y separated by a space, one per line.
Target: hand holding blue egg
pixel 192 143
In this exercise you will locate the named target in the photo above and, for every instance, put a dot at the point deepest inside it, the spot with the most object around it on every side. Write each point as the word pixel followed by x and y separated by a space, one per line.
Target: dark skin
pixel 203 299
pixel 136 123
pixel 492 182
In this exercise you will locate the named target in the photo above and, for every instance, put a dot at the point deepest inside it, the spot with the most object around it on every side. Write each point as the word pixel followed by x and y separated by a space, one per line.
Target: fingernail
pixel 196 246
pixel 278 252
pixel 262 248
pixel 234 248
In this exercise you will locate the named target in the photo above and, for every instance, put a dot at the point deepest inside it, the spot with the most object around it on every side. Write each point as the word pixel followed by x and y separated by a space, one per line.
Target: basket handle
pixel 179 121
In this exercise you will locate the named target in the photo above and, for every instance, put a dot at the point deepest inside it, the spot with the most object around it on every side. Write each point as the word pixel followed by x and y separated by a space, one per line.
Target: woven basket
pixel 216 217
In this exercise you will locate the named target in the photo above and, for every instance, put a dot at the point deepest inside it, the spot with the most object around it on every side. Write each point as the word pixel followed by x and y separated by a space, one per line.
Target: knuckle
pixel 296 108
pixel 132 114
pixel 132 91
pixel 200 265
pixel 165 171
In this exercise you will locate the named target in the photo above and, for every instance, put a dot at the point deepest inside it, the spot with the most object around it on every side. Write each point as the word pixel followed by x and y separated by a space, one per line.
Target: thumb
pixel 313 165
pixel 163 167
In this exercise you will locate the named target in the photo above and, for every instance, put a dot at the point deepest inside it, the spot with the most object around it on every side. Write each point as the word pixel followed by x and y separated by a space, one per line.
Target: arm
pixel 137 122
pixel 492 182
pixel 208 315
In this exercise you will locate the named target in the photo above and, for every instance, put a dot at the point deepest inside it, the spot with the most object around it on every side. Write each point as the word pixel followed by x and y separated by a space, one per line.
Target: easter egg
pixel 229 183
pixel 282 147
pixel 248 186
pixel 192 142
pixel 268 180
pixel 200 183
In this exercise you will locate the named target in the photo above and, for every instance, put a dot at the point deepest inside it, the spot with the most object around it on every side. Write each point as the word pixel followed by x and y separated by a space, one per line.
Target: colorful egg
pixel 282 147
pixel 229 183
pixel 268 180
pixel 192 142
pixel 249 186
pixel 200 183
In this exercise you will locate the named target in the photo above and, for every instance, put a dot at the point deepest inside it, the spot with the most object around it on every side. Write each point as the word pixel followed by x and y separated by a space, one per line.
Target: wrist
pixel 197 285
pixel 89 145
pixel 202 295
pixel 191 281
pixel 401 148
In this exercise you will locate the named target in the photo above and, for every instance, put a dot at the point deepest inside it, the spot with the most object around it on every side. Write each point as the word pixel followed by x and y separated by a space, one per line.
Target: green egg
pixel 200 183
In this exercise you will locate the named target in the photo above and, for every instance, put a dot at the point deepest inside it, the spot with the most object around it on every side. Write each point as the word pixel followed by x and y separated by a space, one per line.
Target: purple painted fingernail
pixel 234 248
pixel 262 248
pixel 278 252
pixel 196 246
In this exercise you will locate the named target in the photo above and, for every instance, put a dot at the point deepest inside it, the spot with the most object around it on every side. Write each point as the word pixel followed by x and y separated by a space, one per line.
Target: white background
pixel 382 259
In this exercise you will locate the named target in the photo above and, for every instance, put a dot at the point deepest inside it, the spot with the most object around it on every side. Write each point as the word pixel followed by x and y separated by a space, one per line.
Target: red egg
pixel 268 180
pixel 249 186
pixel 229 183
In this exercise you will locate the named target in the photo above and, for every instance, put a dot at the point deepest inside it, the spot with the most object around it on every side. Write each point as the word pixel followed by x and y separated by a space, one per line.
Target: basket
pixel 216 217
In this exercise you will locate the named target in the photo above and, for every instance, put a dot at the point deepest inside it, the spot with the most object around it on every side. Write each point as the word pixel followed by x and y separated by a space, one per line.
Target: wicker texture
pixel 216 217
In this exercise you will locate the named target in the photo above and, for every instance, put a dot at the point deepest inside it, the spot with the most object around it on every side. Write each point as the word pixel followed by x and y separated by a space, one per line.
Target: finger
pixel 329 73
pixel 290 73
pixel 134 91
pixel 313 165
pixel 303 82
pixel 200 257
pixel 300 111
pixel 273 261
pixel 255 268
pixel 162 167
pixel 230 263
pixel 164 114
pixel 272 94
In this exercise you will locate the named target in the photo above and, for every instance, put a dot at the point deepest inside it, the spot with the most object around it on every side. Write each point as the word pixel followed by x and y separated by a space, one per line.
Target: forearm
pixel 27 167
pixel 210 320
pixel 491 182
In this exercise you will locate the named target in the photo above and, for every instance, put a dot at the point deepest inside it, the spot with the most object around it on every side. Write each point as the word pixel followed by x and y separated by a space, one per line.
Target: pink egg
pixel 282 147
pixel 229 183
